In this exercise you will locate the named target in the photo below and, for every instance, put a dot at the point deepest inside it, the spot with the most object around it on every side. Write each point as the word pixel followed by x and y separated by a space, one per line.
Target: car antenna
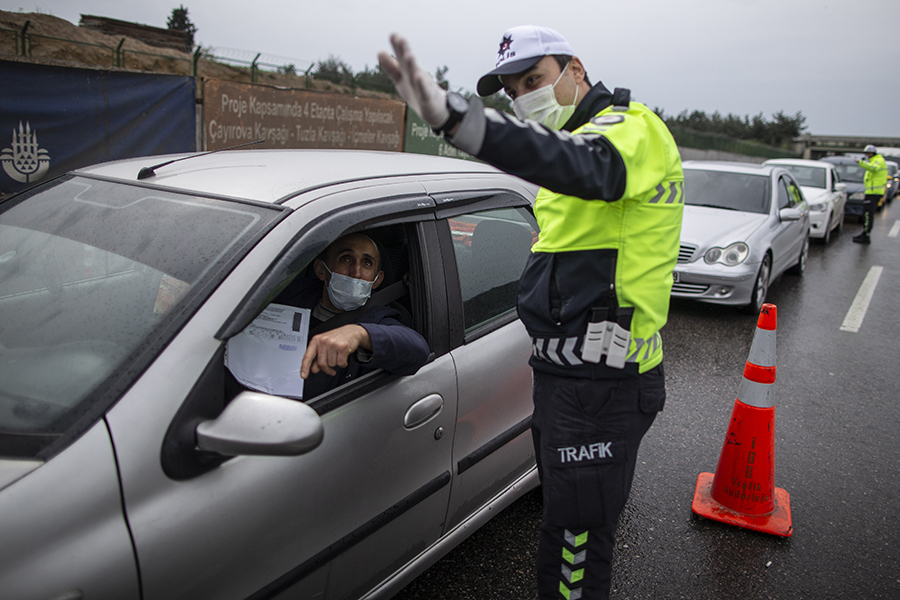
pixel 146 172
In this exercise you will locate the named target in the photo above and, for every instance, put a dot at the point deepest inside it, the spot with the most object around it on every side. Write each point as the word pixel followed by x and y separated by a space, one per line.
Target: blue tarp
pixel 55 119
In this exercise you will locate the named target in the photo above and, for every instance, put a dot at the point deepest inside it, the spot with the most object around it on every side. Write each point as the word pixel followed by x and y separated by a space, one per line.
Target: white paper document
pixel 266 356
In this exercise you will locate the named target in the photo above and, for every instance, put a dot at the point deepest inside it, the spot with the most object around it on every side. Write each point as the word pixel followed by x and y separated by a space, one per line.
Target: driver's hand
pixel 332 349
pixel 413 84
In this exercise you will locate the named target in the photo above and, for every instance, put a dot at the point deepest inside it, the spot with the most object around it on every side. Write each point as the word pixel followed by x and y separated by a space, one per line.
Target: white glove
pixel 415 85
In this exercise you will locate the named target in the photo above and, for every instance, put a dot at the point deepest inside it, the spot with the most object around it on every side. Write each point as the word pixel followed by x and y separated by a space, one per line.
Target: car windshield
pixel 727 190
pixel 851 173
pixel 91 273
pixel 806 176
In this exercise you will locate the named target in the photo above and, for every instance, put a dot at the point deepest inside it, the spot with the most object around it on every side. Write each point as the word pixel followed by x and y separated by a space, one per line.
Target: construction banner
pixel 237 113
pixel 420 139
pixel 55 119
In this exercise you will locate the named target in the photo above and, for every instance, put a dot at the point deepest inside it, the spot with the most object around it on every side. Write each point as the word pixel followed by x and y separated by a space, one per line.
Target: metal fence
pixel 23 43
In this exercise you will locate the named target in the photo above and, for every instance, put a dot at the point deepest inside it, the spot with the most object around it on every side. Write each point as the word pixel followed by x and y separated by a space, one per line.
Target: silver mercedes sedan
pixel 133 466
pixel 744 225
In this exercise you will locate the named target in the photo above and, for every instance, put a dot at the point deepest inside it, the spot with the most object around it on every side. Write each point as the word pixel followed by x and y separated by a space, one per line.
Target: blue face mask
pixel 347 293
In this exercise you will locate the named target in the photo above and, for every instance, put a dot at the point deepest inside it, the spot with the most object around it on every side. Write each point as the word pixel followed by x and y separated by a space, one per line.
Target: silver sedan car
pixel 744 225
pixel 132 466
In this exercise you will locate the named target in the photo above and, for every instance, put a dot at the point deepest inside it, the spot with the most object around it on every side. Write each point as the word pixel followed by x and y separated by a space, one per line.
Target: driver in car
pixel 351 338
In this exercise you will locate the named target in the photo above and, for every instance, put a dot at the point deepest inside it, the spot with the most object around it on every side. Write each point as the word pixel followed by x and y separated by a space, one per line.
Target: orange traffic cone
pixel 743 492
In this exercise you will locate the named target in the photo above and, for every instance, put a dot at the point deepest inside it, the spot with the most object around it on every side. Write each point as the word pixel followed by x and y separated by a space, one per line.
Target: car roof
pixel 800 162
pixel 275 175
pixel 729 166
pixel 840 160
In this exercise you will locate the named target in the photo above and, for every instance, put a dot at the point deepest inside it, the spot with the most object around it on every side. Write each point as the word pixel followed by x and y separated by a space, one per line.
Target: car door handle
pixel 423 410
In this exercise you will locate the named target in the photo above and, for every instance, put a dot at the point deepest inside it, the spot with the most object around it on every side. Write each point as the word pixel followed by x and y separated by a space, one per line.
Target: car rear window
pixel 90 272
pixel 851 173
pixel 727 190
pixel 813 177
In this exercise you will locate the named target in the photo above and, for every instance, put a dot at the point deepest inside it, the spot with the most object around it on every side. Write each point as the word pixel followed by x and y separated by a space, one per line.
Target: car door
pixel 486 244
pixel 790 234
pixel 330 523
pixel 839 195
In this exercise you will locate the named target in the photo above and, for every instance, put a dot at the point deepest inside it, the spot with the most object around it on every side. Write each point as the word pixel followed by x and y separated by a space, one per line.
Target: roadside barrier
pixel 742 492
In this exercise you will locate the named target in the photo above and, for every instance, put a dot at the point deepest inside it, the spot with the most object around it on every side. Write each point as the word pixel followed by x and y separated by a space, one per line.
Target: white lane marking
pixel 857 312
pixel 895 229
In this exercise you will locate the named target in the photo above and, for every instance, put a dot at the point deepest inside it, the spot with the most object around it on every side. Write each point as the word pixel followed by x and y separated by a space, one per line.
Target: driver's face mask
pixel 347 293
pixel 541 105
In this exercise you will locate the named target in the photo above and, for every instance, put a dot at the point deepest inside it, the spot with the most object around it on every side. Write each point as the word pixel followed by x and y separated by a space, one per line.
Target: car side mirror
pixel 840 187
pixel 257 424
pixel 791 214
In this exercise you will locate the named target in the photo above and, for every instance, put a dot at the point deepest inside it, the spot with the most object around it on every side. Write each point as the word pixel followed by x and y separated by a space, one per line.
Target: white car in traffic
pixel 823 190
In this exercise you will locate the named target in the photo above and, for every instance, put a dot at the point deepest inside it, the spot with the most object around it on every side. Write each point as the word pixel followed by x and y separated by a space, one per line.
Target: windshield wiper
pixel 146 172
pixel 716 206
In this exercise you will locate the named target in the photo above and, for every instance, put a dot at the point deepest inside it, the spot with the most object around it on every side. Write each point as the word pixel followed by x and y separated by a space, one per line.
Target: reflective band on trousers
pixel 572 558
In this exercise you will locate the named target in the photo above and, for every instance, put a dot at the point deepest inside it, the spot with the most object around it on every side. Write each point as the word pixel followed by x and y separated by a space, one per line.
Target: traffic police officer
pixel 595 290
pixel 875 182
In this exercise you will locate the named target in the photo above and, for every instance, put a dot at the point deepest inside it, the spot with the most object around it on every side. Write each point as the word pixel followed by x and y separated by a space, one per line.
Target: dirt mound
pixel 55 41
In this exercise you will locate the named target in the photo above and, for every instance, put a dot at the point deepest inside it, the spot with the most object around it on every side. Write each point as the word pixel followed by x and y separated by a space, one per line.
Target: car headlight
pixel 733 255
pixel 858 196
pixel 818 207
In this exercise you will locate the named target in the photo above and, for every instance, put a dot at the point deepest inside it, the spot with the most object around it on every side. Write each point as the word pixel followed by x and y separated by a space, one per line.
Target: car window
pixel 851 173
pixel 785 198
pixel 796 194
pixel 807 176
pixel 491 248
pixel 394 296
pixel 726 190
pixel 91 275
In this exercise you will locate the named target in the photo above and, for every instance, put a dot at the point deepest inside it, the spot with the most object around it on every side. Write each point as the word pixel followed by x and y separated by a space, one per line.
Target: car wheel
pixel 760 288
pixel 840 225
pixel 800 267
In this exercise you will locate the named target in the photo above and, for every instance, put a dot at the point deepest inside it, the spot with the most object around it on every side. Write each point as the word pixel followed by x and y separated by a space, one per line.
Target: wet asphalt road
pixel 837 418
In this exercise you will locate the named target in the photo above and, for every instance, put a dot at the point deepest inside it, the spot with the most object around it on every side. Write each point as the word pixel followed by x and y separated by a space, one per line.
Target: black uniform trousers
pixel 870 205
pixel 586 437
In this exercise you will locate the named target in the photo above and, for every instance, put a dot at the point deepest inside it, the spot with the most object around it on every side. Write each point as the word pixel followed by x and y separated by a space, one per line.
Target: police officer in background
pixel 875 182
pixel 595 290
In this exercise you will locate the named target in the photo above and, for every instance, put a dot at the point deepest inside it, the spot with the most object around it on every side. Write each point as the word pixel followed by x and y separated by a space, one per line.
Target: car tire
pixel 760 287
pixel 827 237
pixel 800 267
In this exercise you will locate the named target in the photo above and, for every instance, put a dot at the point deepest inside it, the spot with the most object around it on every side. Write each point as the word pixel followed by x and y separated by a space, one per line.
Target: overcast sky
pixel 836 61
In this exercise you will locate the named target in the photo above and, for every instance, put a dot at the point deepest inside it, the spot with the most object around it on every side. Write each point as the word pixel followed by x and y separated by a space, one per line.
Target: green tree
pixel 780 131
pixel 180 21
pixel 290 69
pixel 375 79
pixel 499 102
pixel 335 70
pixel 440 77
